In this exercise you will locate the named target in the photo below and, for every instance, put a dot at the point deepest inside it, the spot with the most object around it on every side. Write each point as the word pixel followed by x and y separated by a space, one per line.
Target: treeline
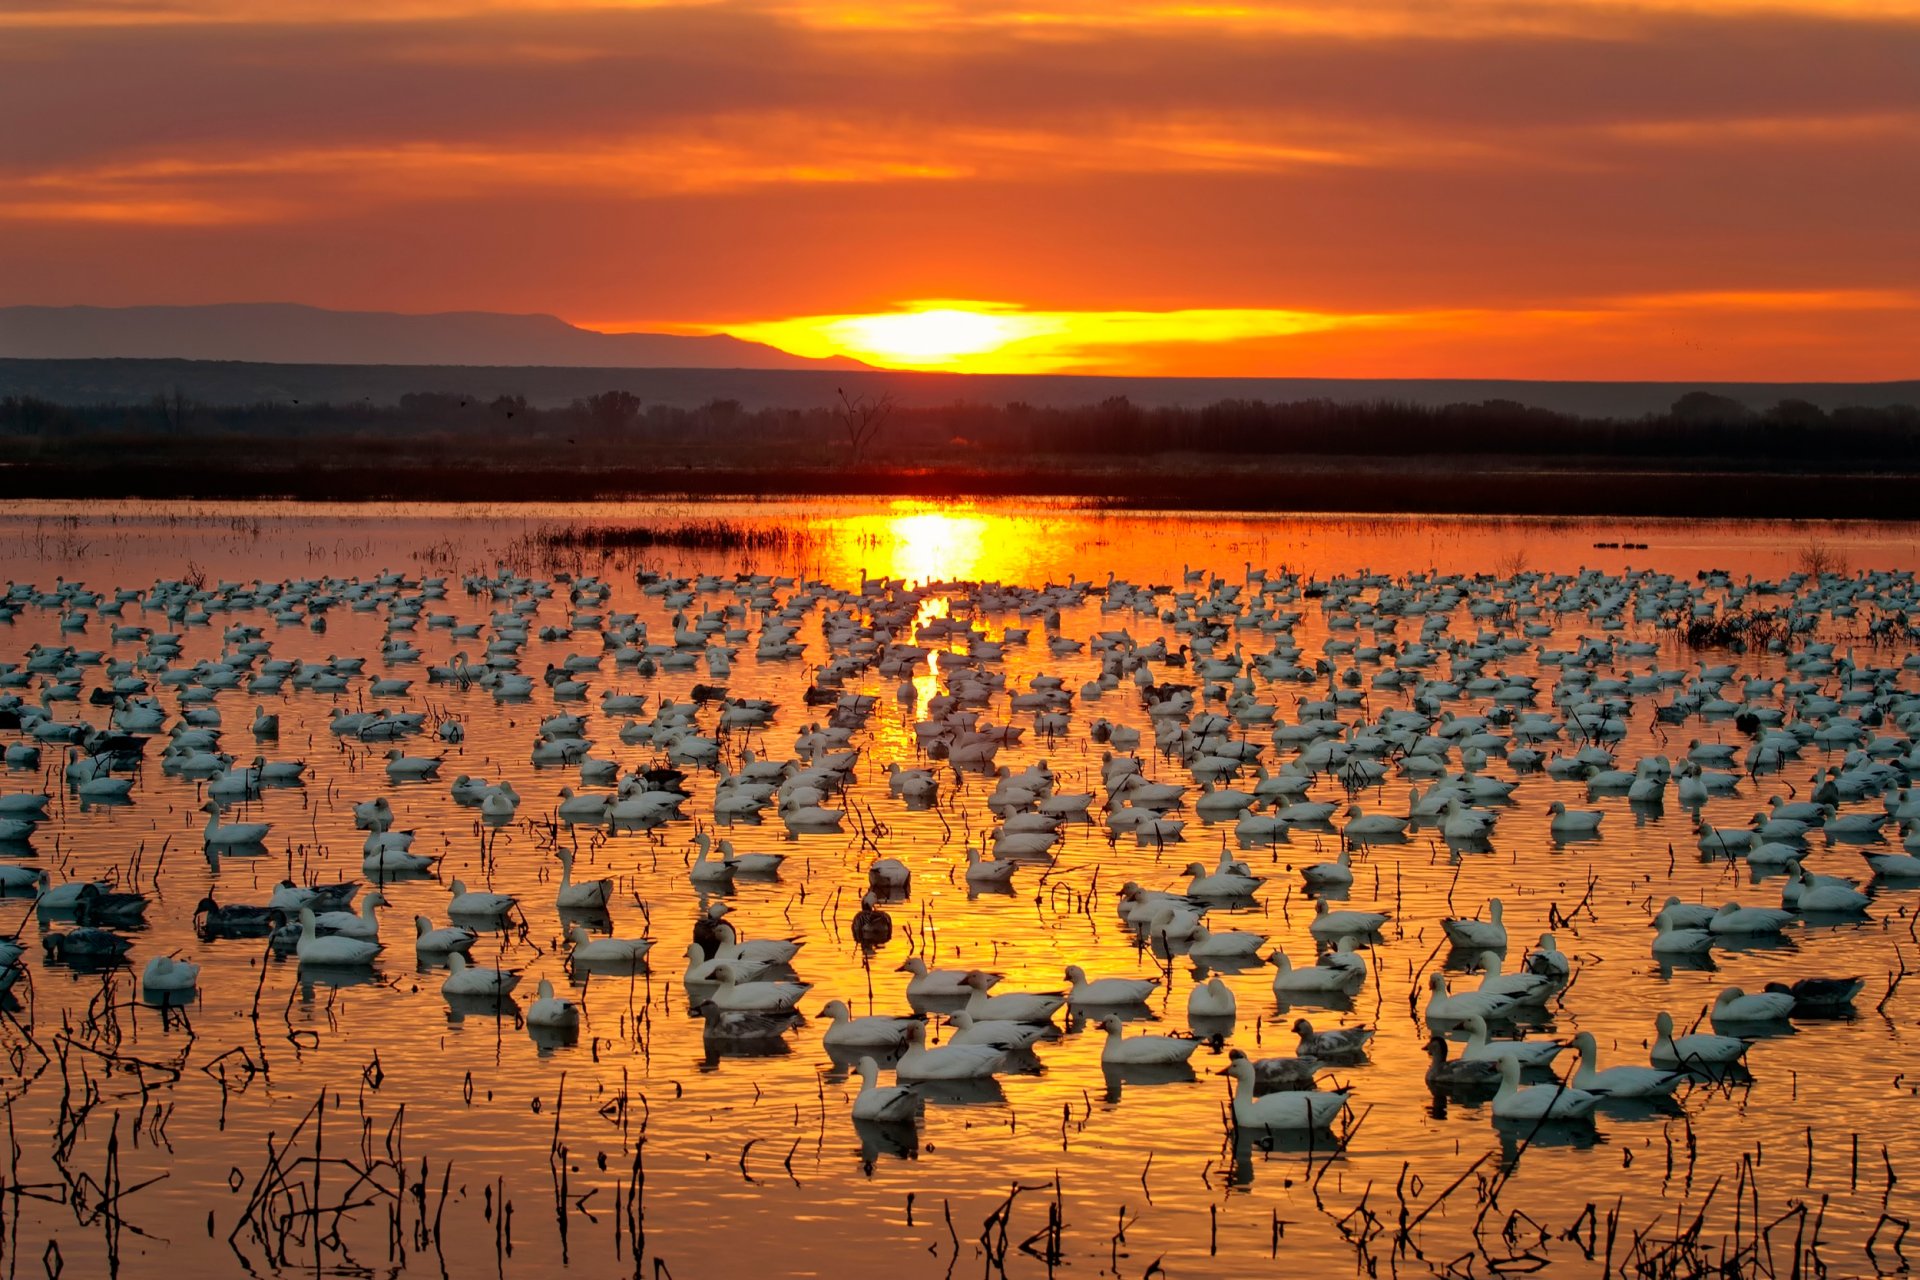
pixel 617 423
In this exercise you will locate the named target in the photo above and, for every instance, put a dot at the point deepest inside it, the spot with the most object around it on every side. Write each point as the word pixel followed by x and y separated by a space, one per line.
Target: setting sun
pixel 1000 337
pixel 963 336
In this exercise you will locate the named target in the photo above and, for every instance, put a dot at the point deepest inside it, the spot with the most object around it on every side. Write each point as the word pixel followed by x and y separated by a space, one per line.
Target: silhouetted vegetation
pixel 1699 425
pixel 1708 454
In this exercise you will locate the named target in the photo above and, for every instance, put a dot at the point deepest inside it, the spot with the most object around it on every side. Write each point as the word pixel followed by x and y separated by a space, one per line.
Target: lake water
pixel 464 1146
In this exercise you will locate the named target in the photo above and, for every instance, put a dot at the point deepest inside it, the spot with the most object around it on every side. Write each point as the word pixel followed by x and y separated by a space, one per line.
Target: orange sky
pixel 1670 189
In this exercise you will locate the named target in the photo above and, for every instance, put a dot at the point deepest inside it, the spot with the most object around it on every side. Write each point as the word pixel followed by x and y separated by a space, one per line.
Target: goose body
pixel 1736 1005
pixel 429 941
pixel 948 1062
pixel 217 834
pixel 588 949
pixel 1329 926
pixel 334 949
pixel 937 984
pixel 1342 1044
pixel 1479 935
pixel 1212 999
pixel 883 1104
pixel 1623 1081
pixel 1515 1101
pixel 1458 1073
pixel 552 1012
pixel 468 903
pixel 1289 1111
pixel 165 974
pixel 1107 991
pixel 1143 1050
pixel 1314 979
pixel 471 980
pixel 757 997
pixel 1444 1006
pixel 1693 1052
pixel 876 1031
pixel 1015 1006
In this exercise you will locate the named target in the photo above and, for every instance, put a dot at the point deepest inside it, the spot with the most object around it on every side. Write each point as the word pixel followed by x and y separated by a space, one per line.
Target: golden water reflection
pixel 715 1206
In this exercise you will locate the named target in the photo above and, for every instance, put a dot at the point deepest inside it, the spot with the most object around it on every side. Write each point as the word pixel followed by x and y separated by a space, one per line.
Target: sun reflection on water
pixel 920 544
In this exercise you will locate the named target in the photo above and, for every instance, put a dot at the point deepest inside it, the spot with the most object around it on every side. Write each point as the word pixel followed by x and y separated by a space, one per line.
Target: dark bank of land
pixel 1708 455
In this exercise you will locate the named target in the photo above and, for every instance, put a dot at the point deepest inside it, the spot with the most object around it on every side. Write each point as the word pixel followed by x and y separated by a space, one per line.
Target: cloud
pixel 679 162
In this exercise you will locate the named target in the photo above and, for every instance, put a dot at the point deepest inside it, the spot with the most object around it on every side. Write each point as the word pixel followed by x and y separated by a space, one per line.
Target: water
pixel 752 1162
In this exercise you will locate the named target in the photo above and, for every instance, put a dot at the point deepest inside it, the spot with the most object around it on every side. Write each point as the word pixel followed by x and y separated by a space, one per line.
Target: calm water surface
pixel 750 1164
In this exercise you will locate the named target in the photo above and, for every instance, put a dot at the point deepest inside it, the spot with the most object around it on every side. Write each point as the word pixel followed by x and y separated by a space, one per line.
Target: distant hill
pixel 128 381
pixel 286 333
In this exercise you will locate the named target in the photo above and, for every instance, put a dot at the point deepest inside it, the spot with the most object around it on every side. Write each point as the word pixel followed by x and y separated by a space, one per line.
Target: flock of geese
pixel 1462 687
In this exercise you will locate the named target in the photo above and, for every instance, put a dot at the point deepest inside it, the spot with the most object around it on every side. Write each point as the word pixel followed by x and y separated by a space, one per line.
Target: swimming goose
pixel 334 949
pixel 1525 987
pixel 1229 944
pixel 467 903
pixel 1340 1045
pixel 1107 991
pixel 469 980
pixel 218 834
pixel 1002 1035
pixel 1291 1110
pixel 1528 1053
pixel 1313 980
pixel 1327 875
pixel 1576 822
pixel 1692 1052
pixel 889 1104
pixel 1146 1050
pixel 429 941
pixel 1548 961
pixel 1459 1072
pixel 1515 1101
pixel 875 1031
pixel 758 997
pixel 1230 884
pixel 588 949
pixel 871 927
pixel 551 1012
pixel 1212 999
pixel 982 873
pixel 589 895
pixel 1479 935
pixel 1329 926
pixel 1446 1007
pixel 948 1062
pixel 1620 1082
pixel 936 984
pixel 166 975
pixel 1015 1006
pixel 1735 1005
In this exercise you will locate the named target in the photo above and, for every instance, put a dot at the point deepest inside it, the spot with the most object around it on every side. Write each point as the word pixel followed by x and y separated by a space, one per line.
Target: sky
pixel 1678 189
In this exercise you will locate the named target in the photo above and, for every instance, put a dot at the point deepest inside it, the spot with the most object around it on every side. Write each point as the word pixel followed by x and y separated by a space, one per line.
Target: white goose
pixel 1143 1050
pixel 218 834
pixel 334 949
pixel 883 1104
pixel 1290 1111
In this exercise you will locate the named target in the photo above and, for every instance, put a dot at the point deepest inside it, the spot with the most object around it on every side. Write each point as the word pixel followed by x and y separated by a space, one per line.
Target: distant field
pixel 234 382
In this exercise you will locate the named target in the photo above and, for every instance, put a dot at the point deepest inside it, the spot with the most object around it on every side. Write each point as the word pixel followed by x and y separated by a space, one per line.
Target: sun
pixel 955 336
pixel 937 336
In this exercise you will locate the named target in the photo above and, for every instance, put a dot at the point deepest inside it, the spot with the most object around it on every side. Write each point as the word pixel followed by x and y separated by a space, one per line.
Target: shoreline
pixel 1321 484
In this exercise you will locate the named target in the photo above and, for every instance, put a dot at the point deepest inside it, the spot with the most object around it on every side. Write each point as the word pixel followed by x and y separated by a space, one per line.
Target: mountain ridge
pixel 295 333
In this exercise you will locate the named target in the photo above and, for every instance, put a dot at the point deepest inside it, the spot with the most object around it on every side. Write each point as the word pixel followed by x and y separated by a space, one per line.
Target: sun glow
pixel 994 337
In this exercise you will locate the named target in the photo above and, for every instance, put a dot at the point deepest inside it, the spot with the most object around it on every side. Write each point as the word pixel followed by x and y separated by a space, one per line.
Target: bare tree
pixel 1817 559
pixel 862 417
